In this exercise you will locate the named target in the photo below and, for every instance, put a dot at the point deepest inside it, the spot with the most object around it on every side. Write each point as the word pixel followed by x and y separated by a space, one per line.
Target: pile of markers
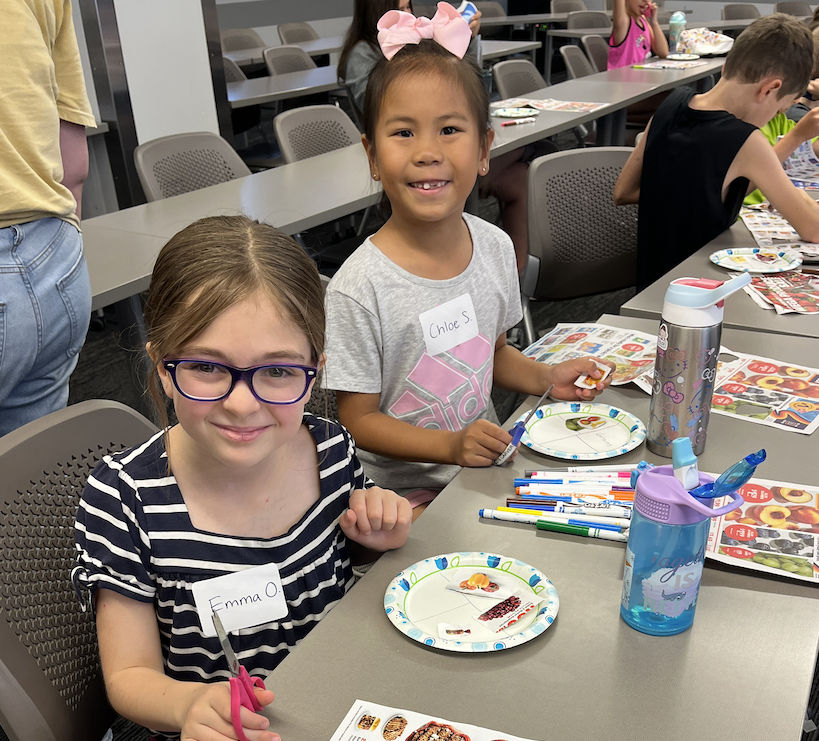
pixel 593 502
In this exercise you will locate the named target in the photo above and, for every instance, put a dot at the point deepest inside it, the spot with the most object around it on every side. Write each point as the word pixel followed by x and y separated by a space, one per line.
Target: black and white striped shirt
pixel 135 537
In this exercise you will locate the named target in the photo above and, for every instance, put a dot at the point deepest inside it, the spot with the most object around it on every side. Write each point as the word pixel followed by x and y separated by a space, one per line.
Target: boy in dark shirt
pixel 702 153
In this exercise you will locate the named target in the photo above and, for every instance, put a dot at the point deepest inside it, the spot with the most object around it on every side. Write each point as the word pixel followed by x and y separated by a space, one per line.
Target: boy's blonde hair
pixel 778 45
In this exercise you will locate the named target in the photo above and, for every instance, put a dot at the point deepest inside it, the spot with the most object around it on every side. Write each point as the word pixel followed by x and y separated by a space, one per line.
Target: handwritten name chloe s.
pixel 449 325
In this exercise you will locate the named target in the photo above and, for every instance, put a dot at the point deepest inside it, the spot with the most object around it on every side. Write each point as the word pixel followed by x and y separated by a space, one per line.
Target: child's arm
pixel 806 128
pixel 620 22
pixel 627 187
pixel 757 161
pixel 139 689
pixel 516 372
pixel 659 43
pixel 477 444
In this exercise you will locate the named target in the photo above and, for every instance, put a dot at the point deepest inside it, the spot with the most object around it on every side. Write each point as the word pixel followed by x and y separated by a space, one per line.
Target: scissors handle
pixel 243 696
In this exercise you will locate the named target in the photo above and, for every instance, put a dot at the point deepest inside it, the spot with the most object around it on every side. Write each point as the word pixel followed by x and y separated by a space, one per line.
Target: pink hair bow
pixel 396 29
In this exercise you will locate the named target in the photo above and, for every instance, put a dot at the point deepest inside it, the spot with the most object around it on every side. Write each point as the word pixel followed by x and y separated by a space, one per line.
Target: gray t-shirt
pixel 376 343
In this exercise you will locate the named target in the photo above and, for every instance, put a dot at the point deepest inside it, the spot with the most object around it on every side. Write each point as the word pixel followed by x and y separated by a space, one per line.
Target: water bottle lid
pixel 677 17
pixel 698 302
pixel 660 497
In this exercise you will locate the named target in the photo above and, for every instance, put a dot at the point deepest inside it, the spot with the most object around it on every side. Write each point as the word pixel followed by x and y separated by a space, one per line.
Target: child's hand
pixel 808 126
pixel 208 717
pixel 475 23
pixel 651 12
pixel 566 373
pixel 377 518
pixel 479 444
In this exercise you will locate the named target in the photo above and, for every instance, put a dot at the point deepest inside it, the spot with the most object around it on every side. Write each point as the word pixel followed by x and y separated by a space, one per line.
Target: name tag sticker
pixel 449 325
pixel 244 599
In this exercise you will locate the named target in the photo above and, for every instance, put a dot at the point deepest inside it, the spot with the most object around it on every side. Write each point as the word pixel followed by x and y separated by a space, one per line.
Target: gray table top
pixel 589 676
pixel 740 310
pixel 258 90
pixel 619 88
pixel 314 48
pixel 121 247
pixel 494 49
pixel 528 19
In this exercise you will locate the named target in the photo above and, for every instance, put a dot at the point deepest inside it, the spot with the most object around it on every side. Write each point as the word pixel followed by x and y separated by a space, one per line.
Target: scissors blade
pixel 537 406
pixel 233 662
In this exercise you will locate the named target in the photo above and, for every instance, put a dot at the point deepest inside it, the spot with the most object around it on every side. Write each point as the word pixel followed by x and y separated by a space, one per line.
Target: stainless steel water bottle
pixel 686 362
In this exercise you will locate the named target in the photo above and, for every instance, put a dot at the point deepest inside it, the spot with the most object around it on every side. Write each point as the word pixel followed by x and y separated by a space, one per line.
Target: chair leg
pixel 528 324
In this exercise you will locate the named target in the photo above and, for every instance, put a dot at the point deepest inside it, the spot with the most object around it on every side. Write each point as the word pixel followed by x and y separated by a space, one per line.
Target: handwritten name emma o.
pixel 449 325
pixel 217 603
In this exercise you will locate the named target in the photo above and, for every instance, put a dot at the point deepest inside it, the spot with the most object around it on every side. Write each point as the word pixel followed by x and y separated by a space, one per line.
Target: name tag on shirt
pixel 449 325
pixel 244 599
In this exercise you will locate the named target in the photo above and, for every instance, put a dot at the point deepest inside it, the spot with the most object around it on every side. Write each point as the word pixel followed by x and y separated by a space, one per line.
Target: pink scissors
pixel 241 683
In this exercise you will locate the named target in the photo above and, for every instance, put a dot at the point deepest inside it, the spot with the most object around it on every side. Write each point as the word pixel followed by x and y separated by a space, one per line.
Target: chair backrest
pixel 312 130
pixel 293 33
pixel 233 72
pixel 491 9
pixel 516 77
pixel 580 254
pixel 568 6
pixel 51 686
pixel 739 11
pixel 588 19
pixel 597 50
pixel 283 59
pixel 791 7
pixel 236 39
pixel 577 63
pixel 180 163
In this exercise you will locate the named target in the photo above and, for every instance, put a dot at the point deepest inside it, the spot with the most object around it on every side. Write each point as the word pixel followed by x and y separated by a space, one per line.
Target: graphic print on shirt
pixel 449 390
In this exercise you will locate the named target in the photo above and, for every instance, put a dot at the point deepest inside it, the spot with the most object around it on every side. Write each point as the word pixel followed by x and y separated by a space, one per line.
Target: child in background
pixel 635 34
pixel 236 335
pixel 788 131
pixel 417 316
pixel 701 153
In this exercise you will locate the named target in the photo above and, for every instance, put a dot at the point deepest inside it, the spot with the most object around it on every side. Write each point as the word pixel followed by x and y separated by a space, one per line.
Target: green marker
pixel 585 532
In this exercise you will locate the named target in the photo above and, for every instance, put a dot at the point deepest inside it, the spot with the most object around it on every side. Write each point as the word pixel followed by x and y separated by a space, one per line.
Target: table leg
pixel 604 127
pixel 547 59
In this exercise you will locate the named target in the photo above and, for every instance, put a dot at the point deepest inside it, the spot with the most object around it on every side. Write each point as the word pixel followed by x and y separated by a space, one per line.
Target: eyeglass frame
pixel 240 374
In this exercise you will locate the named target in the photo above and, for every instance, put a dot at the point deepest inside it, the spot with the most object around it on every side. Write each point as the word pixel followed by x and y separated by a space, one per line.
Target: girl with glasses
pixel 245 479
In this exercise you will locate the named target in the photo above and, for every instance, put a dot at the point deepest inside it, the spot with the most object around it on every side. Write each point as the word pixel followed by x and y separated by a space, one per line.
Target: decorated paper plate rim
pixel 515 112
pixel 683 57
pixel 792 256
pixel 411 577
pixel 637 430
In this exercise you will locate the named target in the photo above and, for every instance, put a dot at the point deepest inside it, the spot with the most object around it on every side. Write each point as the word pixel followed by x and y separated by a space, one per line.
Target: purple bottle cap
pixel 660 497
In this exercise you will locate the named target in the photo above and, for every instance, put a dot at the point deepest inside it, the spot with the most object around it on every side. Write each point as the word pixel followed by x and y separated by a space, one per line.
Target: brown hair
pixel 215 263
pixel 778 45
pixel 366 14
pixel 424 59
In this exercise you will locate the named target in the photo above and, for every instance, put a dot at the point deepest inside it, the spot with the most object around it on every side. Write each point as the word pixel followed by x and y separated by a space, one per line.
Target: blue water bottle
pixel 676 25
pixel 666 546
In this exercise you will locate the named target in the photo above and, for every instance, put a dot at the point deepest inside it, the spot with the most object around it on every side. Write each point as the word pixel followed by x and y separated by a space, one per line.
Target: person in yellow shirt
pixel 45 294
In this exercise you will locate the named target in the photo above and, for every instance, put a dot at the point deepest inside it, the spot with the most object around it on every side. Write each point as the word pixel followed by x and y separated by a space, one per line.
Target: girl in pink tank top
pixel 635 33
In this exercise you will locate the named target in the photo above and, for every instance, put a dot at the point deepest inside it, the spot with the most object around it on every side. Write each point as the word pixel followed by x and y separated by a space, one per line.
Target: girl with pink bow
pixel 417 316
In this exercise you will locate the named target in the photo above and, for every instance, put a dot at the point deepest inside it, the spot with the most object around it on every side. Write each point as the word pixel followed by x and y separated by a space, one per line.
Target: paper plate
pixel 417 601
pixel 683 57
pixel 757 259
pixel 582 431
pixel 515 112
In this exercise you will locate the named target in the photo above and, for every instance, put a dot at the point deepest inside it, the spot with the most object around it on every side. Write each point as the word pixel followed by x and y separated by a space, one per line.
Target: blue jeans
pixel 45 307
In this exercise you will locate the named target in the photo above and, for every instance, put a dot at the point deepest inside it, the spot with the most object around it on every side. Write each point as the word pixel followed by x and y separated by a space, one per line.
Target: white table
pixel 258 90
pixel 740 310
pixel 589 676
pixel 497 49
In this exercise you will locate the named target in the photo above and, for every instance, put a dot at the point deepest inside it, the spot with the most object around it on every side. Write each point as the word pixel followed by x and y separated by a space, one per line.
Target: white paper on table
pixel 367 713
